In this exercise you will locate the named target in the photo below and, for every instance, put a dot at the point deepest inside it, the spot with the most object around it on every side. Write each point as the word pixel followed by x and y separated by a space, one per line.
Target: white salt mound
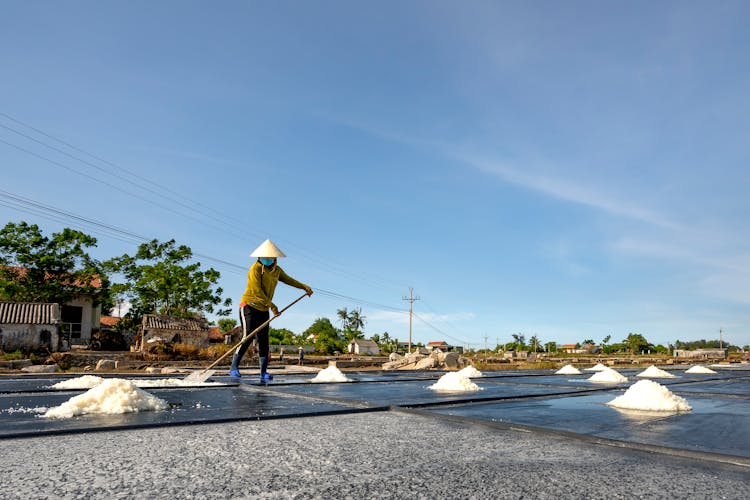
pixel 89 381
pixel 470 372
pixel 608 376
pixel 170 382
pixel 455 382
pixel 568 370
pixel 699 369
pixel 648 395
pixel 111 396
pixel 654 372
pixel 84 382
pixel 330 374
pixel 597 368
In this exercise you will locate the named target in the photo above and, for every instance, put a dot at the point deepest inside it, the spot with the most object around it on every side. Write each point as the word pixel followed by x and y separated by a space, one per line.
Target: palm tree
pixel 343 315
pixel 356 320
pixel 534 340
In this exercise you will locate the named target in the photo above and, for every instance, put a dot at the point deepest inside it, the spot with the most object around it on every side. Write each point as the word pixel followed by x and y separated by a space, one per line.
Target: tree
pixel 327 340
pixel 534 343
pixel 355 324
pixel 636 343
pixel 226 324
pixel 343 315
pixel 281 336
pixel 588 341
pixel 356 320
pixel 160 279
pixel 36 268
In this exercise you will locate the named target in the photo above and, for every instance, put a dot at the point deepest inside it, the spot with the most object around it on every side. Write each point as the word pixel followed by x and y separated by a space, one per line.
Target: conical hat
pixel 267 249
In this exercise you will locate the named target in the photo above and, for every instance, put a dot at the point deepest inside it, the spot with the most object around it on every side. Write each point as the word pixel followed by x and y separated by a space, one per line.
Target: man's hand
pixel 309 291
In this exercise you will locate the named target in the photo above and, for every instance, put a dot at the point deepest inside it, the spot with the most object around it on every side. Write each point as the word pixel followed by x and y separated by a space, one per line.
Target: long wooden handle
pixel 246 338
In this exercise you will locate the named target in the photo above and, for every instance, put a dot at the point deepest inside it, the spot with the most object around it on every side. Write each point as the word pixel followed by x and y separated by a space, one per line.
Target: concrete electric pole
pixel 411 298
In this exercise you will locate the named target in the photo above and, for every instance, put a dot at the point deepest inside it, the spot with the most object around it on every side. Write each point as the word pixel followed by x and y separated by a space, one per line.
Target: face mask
pixel 266 261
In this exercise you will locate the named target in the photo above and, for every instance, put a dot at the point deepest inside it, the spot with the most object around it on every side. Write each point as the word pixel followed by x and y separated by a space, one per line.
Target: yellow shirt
pixel 261 284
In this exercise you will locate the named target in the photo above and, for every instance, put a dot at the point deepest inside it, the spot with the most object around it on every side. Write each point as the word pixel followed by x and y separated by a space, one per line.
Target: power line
pixel 58 215
pixel 177 198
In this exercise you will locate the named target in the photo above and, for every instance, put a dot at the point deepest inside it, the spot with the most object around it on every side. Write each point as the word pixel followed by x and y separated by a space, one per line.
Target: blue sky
pixel 569 170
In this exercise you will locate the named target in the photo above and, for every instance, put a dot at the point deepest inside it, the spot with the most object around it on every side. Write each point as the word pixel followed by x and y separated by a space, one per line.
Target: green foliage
pixel 226 324
pixel 281 336
pixel 636 343
pixel 37 268
pixel 614 348
pixel 160 278
pixel 352 324
pixel 535 343
pixel 11 356
pixel 328 340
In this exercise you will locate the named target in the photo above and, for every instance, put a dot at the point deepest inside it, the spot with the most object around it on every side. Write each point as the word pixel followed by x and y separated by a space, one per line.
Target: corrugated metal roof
pixel 155 321
pixel 29 313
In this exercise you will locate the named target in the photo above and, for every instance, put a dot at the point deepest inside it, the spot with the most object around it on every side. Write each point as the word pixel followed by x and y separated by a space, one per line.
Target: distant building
pixel 701 353
pixel 30 326
pixel 79 317
pixel 363 346
pixel 171 329
pixel 444 346
pixel 440 345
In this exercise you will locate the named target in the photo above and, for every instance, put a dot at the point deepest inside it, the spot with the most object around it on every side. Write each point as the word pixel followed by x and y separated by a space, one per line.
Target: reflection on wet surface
pixel 718 422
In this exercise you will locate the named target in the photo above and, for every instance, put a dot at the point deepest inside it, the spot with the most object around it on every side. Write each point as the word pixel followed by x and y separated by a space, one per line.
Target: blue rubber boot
pixel 265 377
pixel 234 371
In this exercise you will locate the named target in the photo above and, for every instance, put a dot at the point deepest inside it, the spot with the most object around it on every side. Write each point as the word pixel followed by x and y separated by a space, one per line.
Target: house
pixel 440 345
pixel 701 353
pixel 443 346
pixel 79 317
pixel 171 329
pixel 363 346
pixel 30 327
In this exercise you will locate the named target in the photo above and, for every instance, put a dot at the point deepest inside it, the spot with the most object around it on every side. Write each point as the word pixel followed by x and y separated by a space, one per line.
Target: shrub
pixel 186 351
pixel 214 351
pixel 10 356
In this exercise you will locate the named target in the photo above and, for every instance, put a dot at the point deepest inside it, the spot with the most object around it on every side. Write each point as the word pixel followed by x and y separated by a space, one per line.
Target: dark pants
pixel 250 319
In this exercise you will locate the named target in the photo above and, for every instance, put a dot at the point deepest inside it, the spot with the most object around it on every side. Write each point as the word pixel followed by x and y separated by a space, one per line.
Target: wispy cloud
pixel 568 191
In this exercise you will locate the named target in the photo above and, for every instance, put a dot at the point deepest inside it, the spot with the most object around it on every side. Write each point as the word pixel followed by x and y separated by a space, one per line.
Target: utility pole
pixel 411 298
pixel 721 340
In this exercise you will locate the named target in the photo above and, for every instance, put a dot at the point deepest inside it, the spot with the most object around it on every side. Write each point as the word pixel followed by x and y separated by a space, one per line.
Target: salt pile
pixel 84 382
pixel 330 374
pixel 654 372
pixel 89 381
pixel 470 372
pixel 608 376
pixel 597 368
pixel 111 396
pixel 455 382
pixel 699 369
pixel 648 395
pixel 568 370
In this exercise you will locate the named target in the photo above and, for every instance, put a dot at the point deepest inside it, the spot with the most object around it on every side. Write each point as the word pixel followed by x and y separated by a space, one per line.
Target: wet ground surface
pixel 718 424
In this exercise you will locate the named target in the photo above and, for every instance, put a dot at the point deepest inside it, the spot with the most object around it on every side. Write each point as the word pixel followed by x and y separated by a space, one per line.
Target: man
pixel 262 278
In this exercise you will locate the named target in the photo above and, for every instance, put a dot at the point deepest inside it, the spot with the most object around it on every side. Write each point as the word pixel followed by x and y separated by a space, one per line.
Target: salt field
pixel 714 430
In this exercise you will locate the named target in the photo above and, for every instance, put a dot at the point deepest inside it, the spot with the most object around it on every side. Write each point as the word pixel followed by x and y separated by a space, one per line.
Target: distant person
pixel 262 278
pixel 301 358
pixel 281 355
